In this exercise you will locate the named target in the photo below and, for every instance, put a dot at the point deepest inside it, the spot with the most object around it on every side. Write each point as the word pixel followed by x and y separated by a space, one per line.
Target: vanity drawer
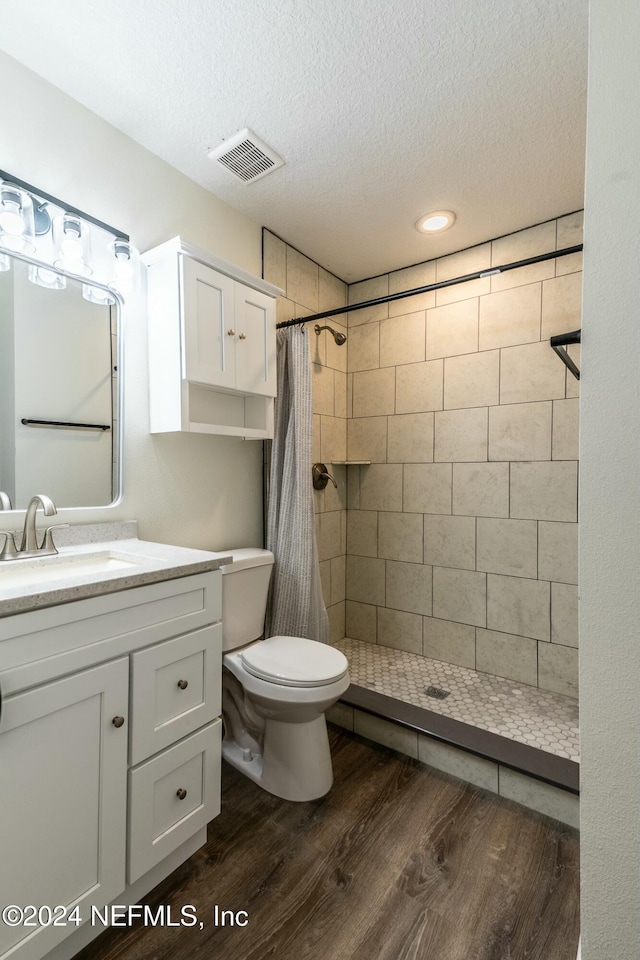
pixel 175 688
pixel 172 796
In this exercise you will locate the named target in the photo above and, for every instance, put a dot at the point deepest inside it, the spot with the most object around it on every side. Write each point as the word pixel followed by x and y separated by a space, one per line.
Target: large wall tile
pixel 566 415
pixel 564 614
pixel 561 305
pixel 420 275
pixel 302 279
pixel 419 387
pixel 336 498
pixel 558 552
pixel 451 642
pixel 524 244
pixel 410 438
pixel 509 547
pixel 364 347
pixel 400 630
pixel 481 489
pixel 333 439
pixel 507 655
pixel 558 669
pixel 328 529
pixel 572 384
pixel 544 490
pixel 325 579
pixel 337 356
pixel 533 273
pixel 409 587
pixel 374 392
pixel 335 614
pixel 471 260
pixel 362 533
pixel 510 317
pixel 322 385
pixel 461 435
pixel 367 439
pixel 460 595
pixel 472 380
pixel 519 606
pixel 402 339
pixel 340 393
pixel 531 372
pixel 365 580
pixel 368 290
pixel 361 619
pixel 450 541
pixel 400 536
pixel 463 291
pixel 332 293
pixel 338 579
pixel 427 487
pixel 274 260
pixel 569 230
pixel 381 487
pixel 452 329
pixel 458 763
pixel 546 799
pixel 520 431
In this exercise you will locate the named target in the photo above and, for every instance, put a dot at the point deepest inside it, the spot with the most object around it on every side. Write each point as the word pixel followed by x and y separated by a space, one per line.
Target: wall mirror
pixel 62 277
pixel 59 390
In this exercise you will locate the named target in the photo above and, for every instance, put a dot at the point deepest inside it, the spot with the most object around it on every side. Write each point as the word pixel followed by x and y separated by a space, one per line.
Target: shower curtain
pixel 296 607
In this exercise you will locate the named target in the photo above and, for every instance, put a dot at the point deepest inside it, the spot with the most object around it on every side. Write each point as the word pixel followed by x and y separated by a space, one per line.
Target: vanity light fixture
pixel 435 222
pixel 33 222
pixel 17 226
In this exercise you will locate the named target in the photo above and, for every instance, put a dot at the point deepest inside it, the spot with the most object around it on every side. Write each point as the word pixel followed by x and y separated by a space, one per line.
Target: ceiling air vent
pixel 247 156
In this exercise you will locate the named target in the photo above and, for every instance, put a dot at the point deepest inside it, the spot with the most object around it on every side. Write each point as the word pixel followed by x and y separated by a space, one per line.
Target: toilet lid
pixel 294 662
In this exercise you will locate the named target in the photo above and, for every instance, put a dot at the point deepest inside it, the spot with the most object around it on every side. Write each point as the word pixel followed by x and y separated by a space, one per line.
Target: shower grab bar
pixel 66 423
pixel 559 344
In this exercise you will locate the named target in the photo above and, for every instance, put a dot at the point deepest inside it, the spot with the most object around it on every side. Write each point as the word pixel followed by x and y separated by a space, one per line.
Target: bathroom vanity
pixel 110 671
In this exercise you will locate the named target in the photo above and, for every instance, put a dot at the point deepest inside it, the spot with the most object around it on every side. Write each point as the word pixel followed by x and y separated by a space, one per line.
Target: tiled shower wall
pixel 462 534
pixel 310 289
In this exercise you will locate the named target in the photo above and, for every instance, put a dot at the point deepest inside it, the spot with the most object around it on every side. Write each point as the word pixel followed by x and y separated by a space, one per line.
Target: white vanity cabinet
pixel 109 751
pixel 212 344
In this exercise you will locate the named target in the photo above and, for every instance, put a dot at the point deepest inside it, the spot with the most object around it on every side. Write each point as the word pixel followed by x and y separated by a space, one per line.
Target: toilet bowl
pixel 274 692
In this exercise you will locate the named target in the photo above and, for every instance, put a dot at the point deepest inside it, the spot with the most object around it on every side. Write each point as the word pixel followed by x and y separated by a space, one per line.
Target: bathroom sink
pixel 32 573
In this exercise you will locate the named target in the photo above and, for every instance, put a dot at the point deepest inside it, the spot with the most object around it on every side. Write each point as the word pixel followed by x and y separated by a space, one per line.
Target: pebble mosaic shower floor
pixel 539 718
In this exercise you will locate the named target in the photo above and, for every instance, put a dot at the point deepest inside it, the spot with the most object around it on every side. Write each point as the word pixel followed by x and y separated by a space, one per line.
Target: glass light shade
pixel 5 262
pixel 97 295
pixel 126 267
pixel 44 277
pixel 72 245
pixel 16 219
pixel 435 222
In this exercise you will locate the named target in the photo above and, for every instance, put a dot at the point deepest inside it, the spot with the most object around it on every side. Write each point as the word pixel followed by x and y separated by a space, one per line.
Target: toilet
pixel 274 691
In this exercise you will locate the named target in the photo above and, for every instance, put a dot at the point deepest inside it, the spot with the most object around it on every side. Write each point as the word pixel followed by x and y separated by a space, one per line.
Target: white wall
pixel 610 492
pixel 198 491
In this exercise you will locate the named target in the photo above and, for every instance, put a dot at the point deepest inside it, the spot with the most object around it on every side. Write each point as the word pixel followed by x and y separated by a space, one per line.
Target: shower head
pixel 339 338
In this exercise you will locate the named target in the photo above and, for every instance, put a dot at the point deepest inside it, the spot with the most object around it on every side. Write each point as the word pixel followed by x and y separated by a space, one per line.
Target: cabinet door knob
pixel 183 684
pixel 242 336
pixel 117 721
pixel 231 332
pixel 181 793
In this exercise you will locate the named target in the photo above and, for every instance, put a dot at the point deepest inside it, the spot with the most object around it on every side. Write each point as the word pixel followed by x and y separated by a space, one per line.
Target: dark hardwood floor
pixel 399 862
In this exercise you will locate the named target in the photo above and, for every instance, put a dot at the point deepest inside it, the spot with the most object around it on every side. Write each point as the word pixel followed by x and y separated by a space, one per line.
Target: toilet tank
pixel 245 586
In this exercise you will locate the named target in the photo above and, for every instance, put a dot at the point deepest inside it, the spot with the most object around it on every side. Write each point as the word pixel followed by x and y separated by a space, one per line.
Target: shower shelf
pixel 351 463
pixel 560 343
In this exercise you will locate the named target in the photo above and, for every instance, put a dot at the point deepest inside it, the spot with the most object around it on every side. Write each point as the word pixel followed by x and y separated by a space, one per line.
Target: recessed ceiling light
pixel 435 222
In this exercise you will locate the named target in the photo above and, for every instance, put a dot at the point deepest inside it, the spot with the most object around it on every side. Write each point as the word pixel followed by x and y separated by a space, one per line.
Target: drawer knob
pixel 183 684
pixel 242 336
pixel 118 721
pixel 231 332
pixel 181 793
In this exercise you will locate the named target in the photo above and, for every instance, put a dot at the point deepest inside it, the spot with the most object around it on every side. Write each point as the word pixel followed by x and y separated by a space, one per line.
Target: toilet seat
pixel 294 662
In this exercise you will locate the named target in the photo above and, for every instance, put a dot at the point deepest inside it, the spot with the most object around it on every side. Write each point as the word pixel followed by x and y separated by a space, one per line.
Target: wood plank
pixel 398 862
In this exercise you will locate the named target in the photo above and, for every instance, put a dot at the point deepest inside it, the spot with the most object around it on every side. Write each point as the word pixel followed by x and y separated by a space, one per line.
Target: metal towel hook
pixel 321 476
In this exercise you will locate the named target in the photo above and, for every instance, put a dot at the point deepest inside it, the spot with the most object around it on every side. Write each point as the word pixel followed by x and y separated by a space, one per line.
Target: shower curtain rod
pixel 432 286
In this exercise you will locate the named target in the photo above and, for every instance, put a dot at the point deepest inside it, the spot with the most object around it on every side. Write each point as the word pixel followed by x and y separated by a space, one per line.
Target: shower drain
pixel 437 693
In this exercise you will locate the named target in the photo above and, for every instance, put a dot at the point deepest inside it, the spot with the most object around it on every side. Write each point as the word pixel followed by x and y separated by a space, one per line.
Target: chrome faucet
pixel 29 546
pixel 5 501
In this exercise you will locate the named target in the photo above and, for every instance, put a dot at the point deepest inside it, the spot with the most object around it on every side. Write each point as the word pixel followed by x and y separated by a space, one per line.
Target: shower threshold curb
pixel 557 771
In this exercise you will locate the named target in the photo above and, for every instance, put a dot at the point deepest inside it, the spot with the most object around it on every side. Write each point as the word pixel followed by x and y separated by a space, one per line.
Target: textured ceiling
pixel 382 110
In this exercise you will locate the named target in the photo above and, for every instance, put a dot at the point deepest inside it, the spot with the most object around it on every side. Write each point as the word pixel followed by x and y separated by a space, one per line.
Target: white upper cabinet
pixel 212 344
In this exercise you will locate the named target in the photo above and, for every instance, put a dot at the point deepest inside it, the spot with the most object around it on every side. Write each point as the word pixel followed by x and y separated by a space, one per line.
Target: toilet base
pixel 296 764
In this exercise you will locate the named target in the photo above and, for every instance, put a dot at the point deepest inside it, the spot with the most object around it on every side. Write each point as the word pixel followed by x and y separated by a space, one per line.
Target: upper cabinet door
pixel 256 342
pixel 208 328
